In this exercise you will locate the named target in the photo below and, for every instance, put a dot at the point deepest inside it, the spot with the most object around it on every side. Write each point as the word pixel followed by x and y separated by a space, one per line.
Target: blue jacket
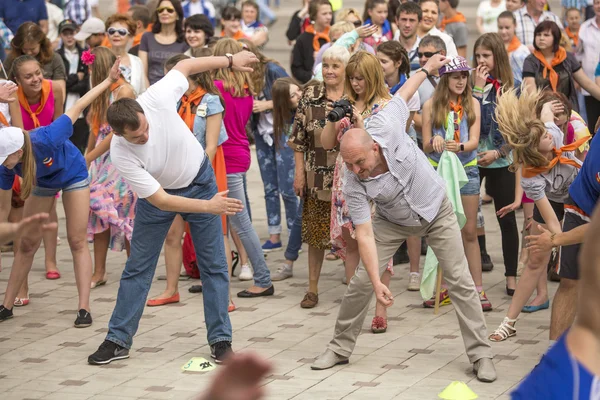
pixel 210 14
pixel 488 122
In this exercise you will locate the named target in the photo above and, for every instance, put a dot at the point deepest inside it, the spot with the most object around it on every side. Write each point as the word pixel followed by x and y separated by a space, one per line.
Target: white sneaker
pixel 245 273
pixel 283 272
pixel 414 281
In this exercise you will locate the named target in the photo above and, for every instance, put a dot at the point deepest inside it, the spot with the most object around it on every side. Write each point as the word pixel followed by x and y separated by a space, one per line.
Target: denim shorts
pixel 48 192
pixel 472 186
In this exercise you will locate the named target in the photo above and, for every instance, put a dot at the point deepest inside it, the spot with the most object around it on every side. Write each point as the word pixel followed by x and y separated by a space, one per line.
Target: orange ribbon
pixel 549 72
pixel 46 88
pixel 530 172
pixel 237 36
pixel 459 17
pixel 185 109
pixel 458 110
pixel 573 36
pixel 514 44
pixel 318 35
pixel 3 120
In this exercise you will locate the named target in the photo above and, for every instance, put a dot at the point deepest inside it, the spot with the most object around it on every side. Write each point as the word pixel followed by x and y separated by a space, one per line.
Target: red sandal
pixel 379 325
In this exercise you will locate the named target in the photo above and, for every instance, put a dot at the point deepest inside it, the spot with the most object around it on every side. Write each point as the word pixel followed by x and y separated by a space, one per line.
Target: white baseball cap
pixel 11 140
pixel 90 27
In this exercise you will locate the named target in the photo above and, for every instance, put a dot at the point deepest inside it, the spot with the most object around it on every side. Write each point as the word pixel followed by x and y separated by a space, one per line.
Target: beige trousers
pixel 444 237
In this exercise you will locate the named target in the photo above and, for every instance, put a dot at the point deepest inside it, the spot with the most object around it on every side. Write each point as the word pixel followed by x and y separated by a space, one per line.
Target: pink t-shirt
pixel 45 117
pixel 238 111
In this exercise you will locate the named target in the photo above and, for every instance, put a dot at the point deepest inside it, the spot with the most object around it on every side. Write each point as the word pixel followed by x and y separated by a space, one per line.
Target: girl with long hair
pixel 451 123
pixel 365 88
pixel 166 39
pixel 48 163
pixel 236 88
pixel 112 202
pixel 492 77
pixel 376 13
pixel 275 164
pixel 396 68
pixel 548 168
pixel 40 104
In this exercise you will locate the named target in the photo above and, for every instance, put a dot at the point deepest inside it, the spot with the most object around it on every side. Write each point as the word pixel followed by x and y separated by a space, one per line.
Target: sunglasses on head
pixel 167 9
pixel 428 54
pixel 120 31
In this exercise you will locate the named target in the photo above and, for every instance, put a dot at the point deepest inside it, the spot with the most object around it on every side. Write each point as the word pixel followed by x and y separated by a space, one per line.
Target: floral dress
pixel 340 217
pixel 112 202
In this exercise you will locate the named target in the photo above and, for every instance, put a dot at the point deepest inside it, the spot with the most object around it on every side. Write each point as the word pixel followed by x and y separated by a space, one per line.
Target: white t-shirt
pixel 55 17
pixel 172 156
pixel 489 14
pixel 450 46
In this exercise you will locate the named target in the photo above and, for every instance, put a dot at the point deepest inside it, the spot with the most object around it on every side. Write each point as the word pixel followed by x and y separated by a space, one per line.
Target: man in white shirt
pixel 156 153
pixel 408 17
pixel 529 17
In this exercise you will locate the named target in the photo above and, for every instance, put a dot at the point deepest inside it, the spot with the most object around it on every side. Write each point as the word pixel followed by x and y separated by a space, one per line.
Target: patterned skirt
pixel 316 217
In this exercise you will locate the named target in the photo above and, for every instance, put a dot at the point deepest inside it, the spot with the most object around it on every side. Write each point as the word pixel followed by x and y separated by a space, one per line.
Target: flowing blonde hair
pixel 233 81
pixel 520 127
pixel 368 66
pixel 28 167
pixel 441 102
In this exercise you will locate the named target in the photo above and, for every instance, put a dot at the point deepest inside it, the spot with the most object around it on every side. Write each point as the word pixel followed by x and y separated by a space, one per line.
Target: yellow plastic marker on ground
pixel 198 364
pixel 457 391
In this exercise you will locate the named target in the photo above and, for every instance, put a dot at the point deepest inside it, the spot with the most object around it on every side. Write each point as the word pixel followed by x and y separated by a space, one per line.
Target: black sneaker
pixel 84 319
pixel 220 351
pixel 486 262
pixel 5 313
pixel 107 352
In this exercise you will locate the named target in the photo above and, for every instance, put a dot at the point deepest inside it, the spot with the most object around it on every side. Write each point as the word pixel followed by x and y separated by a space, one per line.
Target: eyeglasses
pixel 120 31
pixel 428 54
pixel 167 9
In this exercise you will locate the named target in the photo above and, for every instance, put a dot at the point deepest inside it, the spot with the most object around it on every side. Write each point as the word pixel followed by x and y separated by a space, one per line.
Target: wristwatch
pixel 462 147
pixel 230 58
pixel 424 70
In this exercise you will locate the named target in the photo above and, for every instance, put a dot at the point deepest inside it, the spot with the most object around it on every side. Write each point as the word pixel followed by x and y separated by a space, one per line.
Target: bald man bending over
pixel 386 166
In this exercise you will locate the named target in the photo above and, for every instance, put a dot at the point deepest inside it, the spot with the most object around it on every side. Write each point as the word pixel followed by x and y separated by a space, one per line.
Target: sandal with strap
pixel 505 330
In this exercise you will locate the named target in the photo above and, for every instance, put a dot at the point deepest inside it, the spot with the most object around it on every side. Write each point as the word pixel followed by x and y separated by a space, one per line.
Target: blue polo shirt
pixel 59 163
pixel 585 189
pixel 15 12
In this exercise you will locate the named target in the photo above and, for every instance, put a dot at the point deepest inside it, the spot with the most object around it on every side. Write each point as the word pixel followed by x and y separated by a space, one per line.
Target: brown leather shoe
pixel 310 300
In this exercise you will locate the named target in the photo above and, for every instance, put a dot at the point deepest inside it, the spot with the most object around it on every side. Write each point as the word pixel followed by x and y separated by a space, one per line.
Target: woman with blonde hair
pixel 112 202
pixel 236 88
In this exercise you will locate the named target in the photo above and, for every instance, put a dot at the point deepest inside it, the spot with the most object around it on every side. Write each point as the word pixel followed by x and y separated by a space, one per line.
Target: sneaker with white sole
pixel 414 281
pixel 245 273
pixel 283 272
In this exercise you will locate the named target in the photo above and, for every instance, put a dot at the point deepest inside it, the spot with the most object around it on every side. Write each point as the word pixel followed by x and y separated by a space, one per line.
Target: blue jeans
pixel 277 173
pixel 150 230
pixel 241 223
pixel 295 240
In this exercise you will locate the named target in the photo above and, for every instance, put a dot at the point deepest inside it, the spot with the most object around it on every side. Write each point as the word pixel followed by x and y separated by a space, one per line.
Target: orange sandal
pixel 162 302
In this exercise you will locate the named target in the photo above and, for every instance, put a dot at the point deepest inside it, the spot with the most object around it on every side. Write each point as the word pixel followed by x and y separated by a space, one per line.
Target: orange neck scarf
pixel 46 88
pixel 237 36
pixel 529 172
pixel 458 114
pixel 459 17
pixel 95 125
pixel 318 35
pixel 185 109
pixel 514 44
pixel 549 72
pixel 574 36
pixel 3 120
pixel 137 39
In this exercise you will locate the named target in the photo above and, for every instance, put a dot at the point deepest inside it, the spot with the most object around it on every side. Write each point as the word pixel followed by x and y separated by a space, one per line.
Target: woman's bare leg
pixel 173 257
pixel 101 244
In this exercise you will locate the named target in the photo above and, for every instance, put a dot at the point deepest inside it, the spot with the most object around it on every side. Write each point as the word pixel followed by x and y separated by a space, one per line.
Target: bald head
pixel 355 140
pixel 360 153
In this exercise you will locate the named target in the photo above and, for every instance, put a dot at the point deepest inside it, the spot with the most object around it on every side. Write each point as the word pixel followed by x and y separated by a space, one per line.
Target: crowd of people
pixel 140 118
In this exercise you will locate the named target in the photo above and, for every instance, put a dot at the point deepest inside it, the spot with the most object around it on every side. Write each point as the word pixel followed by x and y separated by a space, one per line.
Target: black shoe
pixel 486 262
pixel 84 319
pixel 5 313
pixel 509 291
pixel 246 294
pixel 195 289
pixel 401 255
pixel 423 246
pixel 107 352
pixel 220 351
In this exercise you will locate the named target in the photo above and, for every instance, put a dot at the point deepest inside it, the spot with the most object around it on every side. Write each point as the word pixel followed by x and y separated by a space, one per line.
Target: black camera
pixel 341 109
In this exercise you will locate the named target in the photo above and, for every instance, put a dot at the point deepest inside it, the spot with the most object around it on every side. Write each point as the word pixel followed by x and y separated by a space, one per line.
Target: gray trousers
pixel 444 237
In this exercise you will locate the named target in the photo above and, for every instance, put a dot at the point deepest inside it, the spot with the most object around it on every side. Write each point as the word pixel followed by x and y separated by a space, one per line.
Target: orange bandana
pixel 514 44
pixel 549 72
pixel 318 35
pixel 237 36
pixel 530 172
pixel 46 87
pixel 137 39
pixel 573 36
pixel 3 120
pixel 185 109
pixel 458 114
pixel 95 125
pixel 459 17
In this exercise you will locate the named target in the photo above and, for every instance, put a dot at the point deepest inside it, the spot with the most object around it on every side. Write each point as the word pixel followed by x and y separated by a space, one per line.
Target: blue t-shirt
pixel 597 74
pixel 59 163
pixel 585 189
pixel 558 376
pixel 15 12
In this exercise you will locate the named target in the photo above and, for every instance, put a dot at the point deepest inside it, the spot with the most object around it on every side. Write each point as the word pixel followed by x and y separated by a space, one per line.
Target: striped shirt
pixel 526 24
pixel 410 190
